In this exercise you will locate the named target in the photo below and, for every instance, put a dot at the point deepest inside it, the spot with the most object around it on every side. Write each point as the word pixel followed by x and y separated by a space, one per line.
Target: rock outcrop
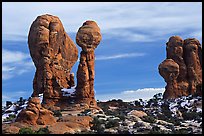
pixel 35 114
pixel 88 38
pixel 182 70
pixel 53 53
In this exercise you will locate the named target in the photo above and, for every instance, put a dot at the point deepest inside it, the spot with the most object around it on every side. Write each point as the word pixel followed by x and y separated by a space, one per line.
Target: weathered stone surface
pixel 35 114
pixel 137 113
pixel 88 37
pixel 192 53
pixel 169 70
pixel 182 70
pixel 54 54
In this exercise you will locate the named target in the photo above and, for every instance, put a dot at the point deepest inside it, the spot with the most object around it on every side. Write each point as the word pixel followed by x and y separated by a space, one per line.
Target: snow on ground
pixel 68 92
pixel 41 97
pixel 12 108
pixel 199 110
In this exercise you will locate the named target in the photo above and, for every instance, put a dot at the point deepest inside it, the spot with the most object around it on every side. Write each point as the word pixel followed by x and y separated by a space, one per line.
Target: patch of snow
pixel 24 106
pixel 184 103
pixel 41 97
pixel 4 116
pixel 68 92
pixel 159 103
pixel 198 110
pixel 12 108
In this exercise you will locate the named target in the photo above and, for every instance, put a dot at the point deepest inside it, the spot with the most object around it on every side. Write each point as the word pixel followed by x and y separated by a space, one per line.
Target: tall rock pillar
pixel 88 38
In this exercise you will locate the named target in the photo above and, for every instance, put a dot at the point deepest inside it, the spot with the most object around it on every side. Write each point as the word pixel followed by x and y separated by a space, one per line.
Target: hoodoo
pixel 53 53
pixel 182 70
pixel 88 38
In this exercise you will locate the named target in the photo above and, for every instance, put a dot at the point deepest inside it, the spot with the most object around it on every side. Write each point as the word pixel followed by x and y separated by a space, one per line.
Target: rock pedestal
pixel 182 70
pixel 88 37
pixel 53 53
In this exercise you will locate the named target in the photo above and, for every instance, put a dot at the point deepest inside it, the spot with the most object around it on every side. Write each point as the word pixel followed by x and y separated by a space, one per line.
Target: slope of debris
pixel 154 116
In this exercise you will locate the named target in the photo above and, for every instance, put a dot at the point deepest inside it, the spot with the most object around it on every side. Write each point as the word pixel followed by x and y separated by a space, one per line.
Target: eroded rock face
pixel 184 57
pixel 88 37
pixel 193 59
pixel 35 114
pixel 54 54
pixel 169 70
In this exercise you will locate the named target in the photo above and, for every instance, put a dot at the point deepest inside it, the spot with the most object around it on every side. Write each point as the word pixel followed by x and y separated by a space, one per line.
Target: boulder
pixel 35 114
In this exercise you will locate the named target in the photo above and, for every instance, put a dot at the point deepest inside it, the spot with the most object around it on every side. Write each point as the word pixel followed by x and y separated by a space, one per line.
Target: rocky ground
pixel 155 116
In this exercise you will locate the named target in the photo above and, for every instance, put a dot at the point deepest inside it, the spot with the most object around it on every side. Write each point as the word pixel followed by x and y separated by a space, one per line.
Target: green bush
pixel 44 130
pixel 190 115
pixel 183 131
pixel 10 118
pixel 98 125
pixel 157 130
pixel 112 123
pixel 149 119
pixel 57 113
pixel 26 131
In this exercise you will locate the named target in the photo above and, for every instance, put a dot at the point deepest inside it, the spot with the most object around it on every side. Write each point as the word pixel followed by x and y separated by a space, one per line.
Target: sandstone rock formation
pixel 182 70
pixel 53 53
pixel 35 114
pixel 88 38
pixel 192 57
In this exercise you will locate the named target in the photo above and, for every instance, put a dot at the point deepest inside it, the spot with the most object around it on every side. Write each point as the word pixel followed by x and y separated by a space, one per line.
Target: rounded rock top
pixel 88 36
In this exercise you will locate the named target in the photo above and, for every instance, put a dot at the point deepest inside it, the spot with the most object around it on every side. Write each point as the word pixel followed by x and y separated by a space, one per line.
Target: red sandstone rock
pixel 35 114
pixel 53 53
pixel 193 63
pixel 88 37
pixel 169 70
pixel 188 55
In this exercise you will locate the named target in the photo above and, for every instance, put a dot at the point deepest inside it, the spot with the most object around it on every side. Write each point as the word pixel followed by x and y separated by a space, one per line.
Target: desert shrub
pixel 121 116
pixel 112 123
pixel 44 130
pixel 26 131
pixel 183 131
pixel 175 121
pixel 157 130
pixel 190 115
pixel 123 132
pixel 8 103
pixel 57 113
pixel 149 119
pixel 158 96
pixel 137 103
pixel 165 109
pixel 98 125
pixel 10 118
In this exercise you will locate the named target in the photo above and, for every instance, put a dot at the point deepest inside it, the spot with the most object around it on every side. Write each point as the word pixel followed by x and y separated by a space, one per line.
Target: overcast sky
pixel 127 59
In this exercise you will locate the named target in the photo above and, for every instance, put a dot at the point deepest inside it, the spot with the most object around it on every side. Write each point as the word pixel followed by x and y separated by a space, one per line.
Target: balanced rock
pixel 53 53
pixel 182 70
pixel 88 37
pixel 35 114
